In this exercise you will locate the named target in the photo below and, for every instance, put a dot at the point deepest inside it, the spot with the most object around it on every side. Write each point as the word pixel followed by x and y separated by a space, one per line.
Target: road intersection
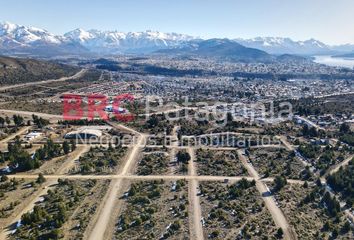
pixel 102 220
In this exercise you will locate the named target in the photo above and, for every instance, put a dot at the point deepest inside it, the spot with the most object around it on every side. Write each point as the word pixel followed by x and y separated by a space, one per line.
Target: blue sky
pixel 331 21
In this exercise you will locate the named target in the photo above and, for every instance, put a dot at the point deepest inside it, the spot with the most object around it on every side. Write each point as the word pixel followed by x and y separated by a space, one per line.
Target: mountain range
pixel 17 39
pixel 226 49
pixel 21 40
pixel 277 45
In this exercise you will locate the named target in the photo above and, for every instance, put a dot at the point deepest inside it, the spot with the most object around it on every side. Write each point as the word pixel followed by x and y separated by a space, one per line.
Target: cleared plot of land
pixel 63 212
pixel 235 212
pixel 100 160
pixel 219 163
pixel 272 162
pixel 305 209
pixel 154 210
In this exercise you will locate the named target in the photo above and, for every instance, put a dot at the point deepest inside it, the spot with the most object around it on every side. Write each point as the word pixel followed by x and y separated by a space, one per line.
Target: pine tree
pixel 66 147
pixel 41 179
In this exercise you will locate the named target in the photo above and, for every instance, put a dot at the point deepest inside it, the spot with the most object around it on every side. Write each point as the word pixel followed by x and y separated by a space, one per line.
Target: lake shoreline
pixel 334 61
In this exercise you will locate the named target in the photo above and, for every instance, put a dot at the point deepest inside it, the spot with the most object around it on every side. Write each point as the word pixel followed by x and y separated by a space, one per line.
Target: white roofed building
pixel 84 134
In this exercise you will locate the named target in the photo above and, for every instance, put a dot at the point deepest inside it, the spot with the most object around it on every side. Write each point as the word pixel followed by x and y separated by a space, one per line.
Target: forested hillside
pixel 18 70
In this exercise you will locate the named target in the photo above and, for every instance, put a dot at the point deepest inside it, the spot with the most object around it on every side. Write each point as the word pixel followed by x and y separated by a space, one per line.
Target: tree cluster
pixel 343 182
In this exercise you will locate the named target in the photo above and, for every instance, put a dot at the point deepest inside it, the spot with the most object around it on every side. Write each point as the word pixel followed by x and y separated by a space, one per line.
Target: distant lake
pixel 336 62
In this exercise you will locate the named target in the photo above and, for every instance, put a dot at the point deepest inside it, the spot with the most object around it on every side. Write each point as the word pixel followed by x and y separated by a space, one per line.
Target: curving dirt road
pixel 72 157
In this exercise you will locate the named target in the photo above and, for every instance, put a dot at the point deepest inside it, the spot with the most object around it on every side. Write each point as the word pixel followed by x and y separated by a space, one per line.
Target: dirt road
pixel 173 150
pixel 124 128
pixel 72 157
pixel 29 206
pixel 291 148
pixel 286 143
pixel 44 189
pixel 341 164
pixel 49 117
pixel 277 214
pixel 12 136
pixel 196 228
pixel 104 217
pixel 151 177
pixel 309 122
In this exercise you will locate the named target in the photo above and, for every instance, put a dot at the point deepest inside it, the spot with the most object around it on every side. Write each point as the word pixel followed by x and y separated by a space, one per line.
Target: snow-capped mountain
pixel 108 41
pixel 223 49
pixel 277 45
pixel 17 39
pixel 27 35
pixel 21 39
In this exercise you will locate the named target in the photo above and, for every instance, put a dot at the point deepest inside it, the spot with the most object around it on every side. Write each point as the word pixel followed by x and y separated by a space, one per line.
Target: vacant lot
pixel 76 224
pixel 12 193
pixel 306 212
pixel 154 210
pixel 272 162
pixel 101 160
pixel 154 163
pixel 63 213
pixel 235 212
pixel 219 163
